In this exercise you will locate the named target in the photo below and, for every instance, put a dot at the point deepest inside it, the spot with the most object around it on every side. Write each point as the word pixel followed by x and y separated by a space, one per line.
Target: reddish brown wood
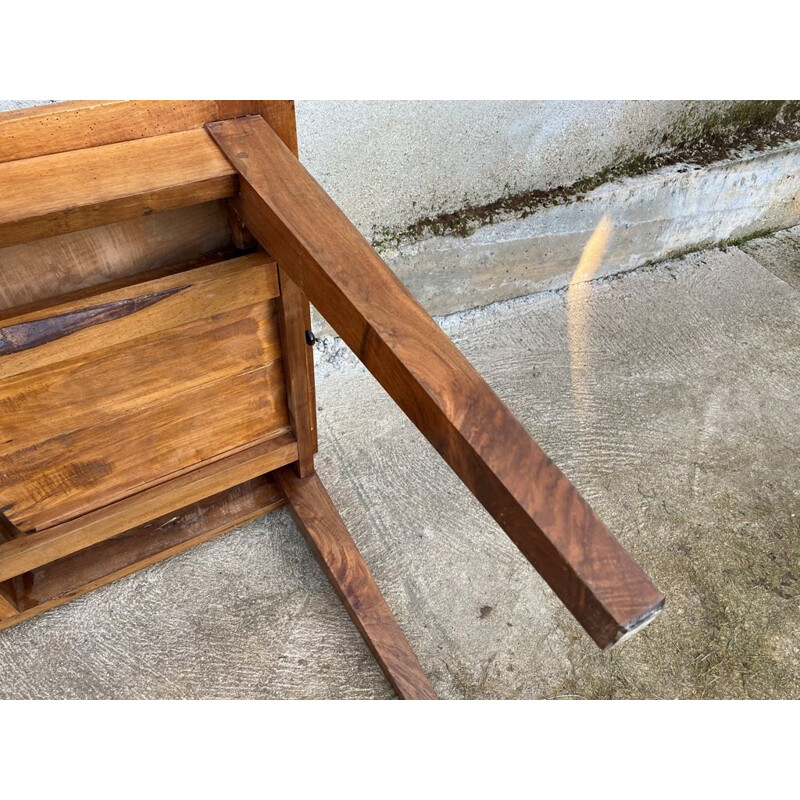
pixel 487 447
pixel 329 540
pixel 65 579
pixel 8 594
pixel 37 549
pixel 25 335
pixel 75 367
pixel 145 544
pixel 46 268
pixel 8 608
pixel 241 237
pixel 79 124
pixel 8 530
pixel 55 194
pixel 294 320
pixel 105 397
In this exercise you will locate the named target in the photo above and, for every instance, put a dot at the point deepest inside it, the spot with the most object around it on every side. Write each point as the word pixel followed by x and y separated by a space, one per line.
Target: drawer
pixel 110 394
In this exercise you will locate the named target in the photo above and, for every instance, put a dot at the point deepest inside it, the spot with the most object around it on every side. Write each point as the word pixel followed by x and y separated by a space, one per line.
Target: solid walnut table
pixel 157 260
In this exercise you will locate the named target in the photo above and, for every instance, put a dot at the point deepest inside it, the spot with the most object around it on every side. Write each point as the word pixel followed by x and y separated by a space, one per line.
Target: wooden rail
pixel 426 375
pixel 70 191
pixel 337 554
pixel 36 549
pixel 79 124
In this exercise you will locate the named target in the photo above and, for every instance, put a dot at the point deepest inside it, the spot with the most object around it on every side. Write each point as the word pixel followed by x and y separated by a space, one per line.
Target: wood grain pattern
pixel 161 537
pixel 326 535
pixel 294 319
pixel 280 116
pixel 206 291
pixel 121 402
pixel 78 471
pixel 27 335
pixel 37 549
pixel 96 406
pixel 487 447
pixel 102 385
pixel 69 191
pixel 8 592
pixel 8 530
pixel 8 609
pixel 78 124
pixel 61 581
pixel 57 265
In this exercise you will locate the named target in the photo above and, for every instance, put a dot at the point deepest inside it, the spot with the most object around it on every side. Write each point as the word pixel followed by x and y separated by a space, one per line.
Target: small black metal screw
pixel 310 338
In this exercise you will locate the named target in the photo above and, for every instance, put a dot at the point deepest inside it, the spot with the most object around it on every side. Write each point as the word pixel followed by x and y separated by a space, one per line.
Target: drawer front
pixel 105 396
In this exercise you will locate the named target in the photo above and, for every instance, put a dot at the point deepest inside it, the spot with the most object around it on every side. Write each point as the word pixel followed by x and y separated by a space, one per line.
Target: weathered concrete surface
pixel 655 216
pixel 390 163
pixel 779 253
pixel 668 394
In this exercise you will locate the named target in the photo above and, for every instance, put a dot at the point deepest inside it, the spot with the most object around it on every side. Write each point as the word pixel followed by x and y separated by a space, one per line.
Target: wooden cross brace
pixel 229 313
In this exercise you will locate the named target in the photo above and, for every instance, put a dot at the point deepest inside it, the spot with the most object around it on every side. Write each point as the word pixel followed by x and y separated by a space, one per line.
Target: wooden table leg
pixel 411 357
pixel 329 540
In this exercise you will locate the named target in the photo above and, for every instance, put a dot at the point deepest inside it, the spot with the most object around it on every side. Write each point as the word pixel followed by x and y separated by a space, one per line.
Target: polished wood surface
pixel 63 580
pixel 326 535
pixel 46 268
pixel 99 386
pixel 203 293
pixel 294 319
pixel 344 278
pixel 69 191
pixel 176 372
pixel 36 549
pixel 74 473
pixel 141 367
pixel 78 124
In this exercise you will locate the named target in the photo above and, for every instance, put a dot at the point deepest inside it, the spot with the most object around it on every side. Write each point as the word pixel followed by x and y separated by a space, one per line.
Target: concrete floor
pixel 668 395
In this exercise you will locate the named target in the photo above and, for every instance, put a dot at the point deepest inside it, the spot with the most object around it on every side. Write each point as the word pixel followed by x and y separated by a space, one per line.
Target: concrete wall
pixel 388 164
pixel 476 202
pixel 651 217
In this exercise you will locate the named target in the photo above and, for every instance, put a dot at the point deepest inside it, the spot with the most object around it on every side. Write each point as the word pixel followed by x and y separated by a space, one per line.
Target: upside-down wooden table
pixel 157 260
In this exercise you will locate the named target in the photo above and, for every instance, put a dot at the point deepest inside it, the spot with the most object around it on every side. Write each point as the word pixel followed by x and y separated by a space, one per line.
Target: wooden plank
pixel 35 333
pixel 94 291
pixel 144 544
pixel 225 271
pixel 331 544
pixel 75 472
pixel 37 549
pixel 46 268
pixel 294 319
pixel 278 114
pixel 8 530
pixel 64 580
pixel 105 398
pixel 78 124
pixel 7 608
pixel 55 194
pixel 102 385
pixel 202 293
pixel 344 278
